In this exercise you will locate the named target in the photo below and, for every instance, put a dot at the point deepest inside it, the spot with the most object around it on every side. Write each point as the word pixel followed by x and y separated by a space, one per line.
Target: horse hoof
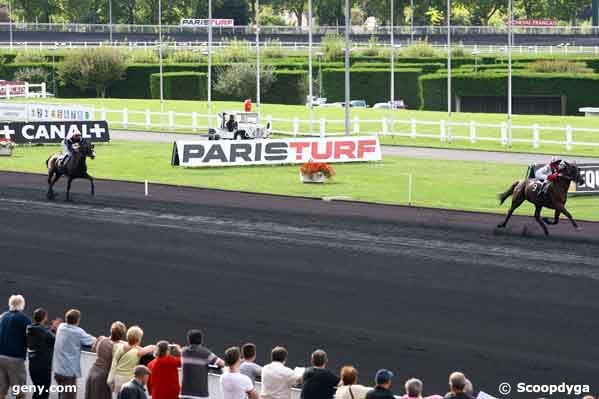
pixel 578 228
pixel 500 226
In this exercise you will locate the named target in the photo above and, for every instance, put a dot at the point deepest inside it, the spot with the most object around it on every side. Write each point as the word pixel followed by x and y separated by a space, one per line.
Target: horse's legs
pixel 52 179
pixel 91 181
pixel 69 189
pixel 569 216
pixel 517 200
pixel 539 220
pixel 555 218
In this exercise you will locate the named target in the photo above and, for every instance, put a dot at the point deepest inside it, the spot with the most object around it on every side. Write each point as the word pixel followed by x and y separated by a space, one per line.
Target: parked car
pixel 246 126
pixel 388 105
pixel 358 104
pixel 316 101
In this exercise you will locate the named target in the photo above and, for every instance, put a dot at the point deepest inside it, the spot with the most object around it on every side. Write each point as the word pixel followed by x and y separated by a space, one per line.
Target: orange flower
pixel 310 168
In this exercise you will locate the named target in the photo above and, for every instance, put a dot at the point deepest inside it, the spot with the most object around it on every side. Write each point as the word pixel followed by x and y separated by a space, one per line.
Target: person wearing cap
pixel 458 385
pixel 382 390
pixel 319 383
pixel 136 388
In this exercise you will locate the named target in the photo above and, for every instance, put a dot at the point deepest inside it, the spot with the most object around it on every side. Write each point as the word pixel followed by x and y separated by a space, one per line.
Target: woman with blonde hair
pixel 126 358
pixel 349 387
pixel 95 385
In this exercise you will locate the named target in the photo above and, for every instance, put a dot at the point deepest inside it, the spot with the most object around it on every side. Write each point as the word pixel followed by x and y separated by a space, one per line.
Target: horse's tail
pixel 503 196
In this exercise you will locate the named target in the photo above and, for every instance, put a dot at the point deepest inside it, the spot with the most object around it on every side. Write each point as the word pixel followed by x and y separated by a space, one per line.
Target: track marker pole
pixel 146 188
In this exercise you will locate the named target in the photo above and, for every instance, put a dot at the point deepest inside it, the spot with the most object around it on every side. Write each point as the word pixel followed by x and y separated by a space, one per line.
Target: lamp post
pixel 411 21
pixel 392 61
pixel 10 23
pixel 510 43
pixel 160 55
pixel 347 65
pixel 258 56
pixel 310 84
pixel 320 54
pixel 209 98
pixel 448 64
pixel 110 19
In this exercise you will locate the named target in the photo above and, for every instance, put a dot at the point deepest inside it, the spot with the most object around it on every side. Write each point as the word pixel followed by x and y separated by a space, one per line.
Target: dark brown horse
pixel 75 168
pixel 555 198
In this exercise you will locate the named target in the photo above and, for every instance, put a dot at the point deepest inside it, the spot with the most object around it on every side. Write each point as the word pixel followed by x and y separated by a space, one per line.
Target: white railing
pixel 201 46
pixel 26 90
pixel 442 131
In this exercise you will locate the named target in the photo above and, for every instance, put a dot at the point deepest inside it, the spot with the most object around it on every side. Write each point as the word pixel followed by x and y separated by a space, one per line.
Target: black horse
pixel 74 168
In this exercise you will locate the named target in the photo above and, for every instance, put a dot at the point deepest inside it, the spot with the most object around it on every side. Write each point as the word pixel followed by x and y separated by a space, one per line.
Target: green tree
pixel 238 81
pixel 92 69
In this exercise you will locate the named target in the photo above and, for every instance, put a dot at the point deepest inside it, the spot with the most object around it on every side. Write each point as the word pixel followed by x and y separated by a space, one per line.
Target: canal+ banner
pixel 53 132
pixel 205 153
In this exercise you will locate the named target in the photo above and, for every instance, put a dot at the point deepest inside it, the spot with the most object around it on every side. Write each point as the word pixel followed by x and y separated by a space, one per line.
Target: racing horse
pixel 75 168
pixel 555 198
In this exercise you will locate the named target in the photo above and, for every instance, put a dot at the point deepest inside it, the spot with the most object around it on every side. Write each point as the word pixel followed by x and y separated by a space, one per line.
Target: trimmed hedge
pixel 373 85
pixel 426 68
pixel 288 88
pixel 579 90
pixel 180 85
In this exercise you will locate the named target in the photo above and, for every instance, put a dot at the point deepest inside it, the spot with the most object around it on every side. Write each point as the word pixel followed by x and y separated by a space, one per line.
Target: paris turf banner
pixel 53 132
pixel 202 153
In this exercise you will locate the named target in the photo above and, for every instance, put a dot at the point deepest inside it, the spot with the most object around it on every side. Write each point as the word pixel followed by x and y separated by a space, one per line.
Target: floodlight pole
pixel 258 56
pixel 411 21
pixel 160 55
pixel 209 63
pixel 510 44
pixel 10 23
pixel 448 65
pixel 347 64
pixel 392 39
pixel 310 85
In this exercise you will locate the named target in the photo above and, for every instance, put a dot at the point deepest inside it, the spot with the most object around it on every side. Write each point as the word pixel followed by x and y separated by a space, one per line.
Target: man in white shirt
pixel 277 379
pixel 234 384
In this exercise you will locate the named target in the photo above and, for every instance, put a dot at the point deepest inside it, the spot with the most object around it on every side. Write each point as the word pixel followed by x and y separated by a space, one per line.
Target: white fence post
pixel 503 133
pixel 356 125
pixel 7 91
pixel 148 119
pixel 535 136
pixel 413 128
pixel 26 89
pixel 449 135
pixel 194 121
pixel 568 137
pixel 103 114
pixel 384 125
pixel 323 126
pixel 295 126
pixel 442 130
pixel 171 120
pixel 125 118
pixel 472 132
pixel 44 93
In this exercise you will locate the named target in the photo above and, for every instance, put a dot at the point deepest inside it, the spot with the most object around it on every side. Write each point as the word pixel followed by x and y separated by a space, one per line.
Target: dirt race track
pixel 422 292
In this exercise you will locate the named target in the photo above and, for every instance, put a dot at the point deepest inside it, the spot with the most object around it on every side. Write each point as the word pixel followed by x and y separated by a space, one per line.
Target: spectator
pixel 349 388
pixel 414 390
pixel 164 381
pixel 277 379
pixel 136 388
pixel 195 360
pixel 382 390
pixel 126 358
pixel 234 384
pixel 319 383
pixel 40 345
pixel 13 346
pixel 67 353
pixel 457 386
pixel 248 366
pixel 96 386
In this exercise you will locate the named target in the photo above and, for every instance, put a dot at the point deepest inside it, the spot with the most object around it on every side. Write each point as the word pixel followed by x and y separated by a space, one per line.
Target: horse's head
pixel 572 172
pixel 86 148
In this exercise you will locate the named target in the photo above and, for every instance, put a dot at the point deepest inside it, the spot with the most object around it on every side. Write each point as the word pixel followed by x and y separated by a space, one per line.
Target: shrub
pixel 34 75
pixel 332 47
pixel 92 69
pixel 143 57
pixel 238 81
pixel 29 57
pixel 236 51
pixel 180 85
pixel 419 49
pixel 373 85
pixel 458 52
pixel 289 87
pixel 559 66
pixel 186 56
pixel 373 48
pixel 273 49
